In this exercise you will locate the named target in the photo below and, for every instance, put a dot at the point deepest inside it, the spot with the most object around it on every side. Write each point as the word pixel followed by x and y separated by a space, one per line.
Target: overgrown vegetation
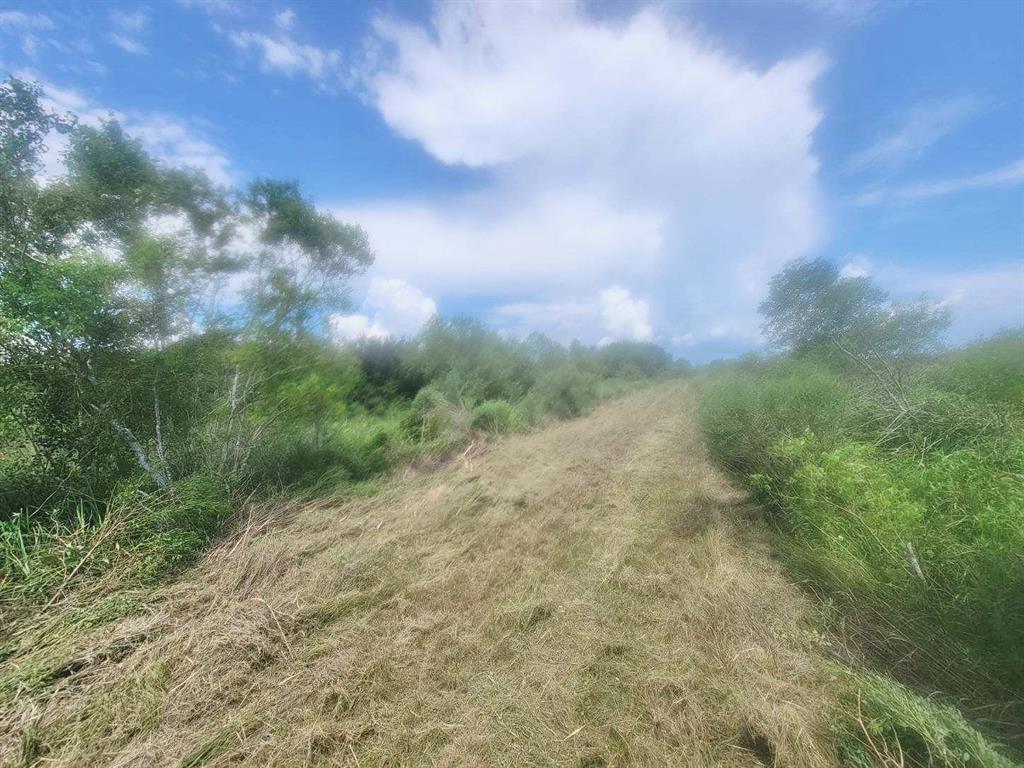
pixel 895 474
pixel 163 357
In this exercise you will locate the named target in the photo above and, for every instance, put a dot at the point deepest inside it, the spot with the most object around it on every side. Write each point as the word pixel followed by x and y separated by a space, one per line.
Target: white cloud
pixel 285 19
pixel 1004 176
pixel 858 265
pixel 126 43
pixel 355 327
pixel 126 28
pixel 920 128
pixel 631 153
pixel 563 320
pixel 982 300
pixel 26 24
pixel 507 241
pixel 391 308
pixel 177 143
pixel 129 22
pixel 625 317
pixel 610 314
pixel 213 7
pixel 285 55
pixel 169 138
pixel 19 20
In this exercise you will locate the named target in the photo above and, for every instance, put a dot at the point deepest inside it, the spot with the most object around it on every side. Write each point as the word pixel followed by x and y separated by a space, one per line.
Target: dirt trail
pixel 587 595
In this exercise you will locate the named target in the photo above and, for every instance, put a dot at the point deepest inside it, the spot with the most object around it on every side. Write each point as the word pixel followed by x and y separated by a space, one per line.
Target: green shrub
pixel 566 391
pixel 436 420
pixel 37 551
pixel 495 416
pixel 745 413
pixel 989 372
pixel 157 534
pixel 139 536
pixel 909 517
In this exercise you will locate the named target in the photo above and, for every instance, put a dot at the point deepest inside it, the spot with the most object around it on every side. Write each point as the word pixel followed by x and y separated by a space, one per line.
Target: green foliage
pixel 745 413
pixel 136 409
pixel 306 259
pixel 633 359
pixel 495 416
pixel 437 421
pixel 470 363
pixel 157 534
pixel 138 535
pixel 918 520
pixel 880 722
pixel 990 372
pixel 566 391
pixel 812 307
pixel 391 371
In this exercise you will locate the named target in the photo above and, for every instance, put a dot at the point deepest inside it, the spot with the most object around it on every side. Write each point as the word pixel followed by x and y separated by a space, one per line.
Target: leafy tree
pixel 811 309
pixel 475 363
pixel 95 304
pixel 305 259
pixel 810 305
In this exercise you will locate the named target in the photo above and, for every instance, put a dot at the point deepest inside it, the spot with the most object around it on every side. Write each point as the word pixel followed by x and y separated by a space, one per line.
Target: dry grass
pixel 579 596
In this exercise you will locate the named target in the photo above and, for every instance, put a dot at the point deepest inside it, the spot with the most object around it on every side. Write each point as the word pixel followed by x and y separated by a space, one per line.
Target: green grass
pixel 881 723
pixel 911 521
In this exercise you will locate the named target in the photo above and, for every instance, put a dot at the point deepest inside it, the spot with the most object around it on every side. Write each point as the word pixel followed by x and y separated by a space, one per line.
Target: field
pixel 579 595
pixel 594 593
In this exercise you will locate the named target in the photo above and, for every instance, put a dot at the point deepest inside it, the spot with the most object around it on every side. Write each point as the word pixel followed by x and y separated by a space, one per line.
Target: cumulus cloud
pixel 611 314
pixel 858 265
pixel 631 153
pixel 624 316
pixel 391 308
pixel 354 327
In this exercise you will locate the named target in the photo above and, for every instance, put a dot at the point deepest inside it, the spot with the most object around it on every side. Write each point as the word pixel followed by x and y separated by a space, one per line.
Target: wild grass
pixel 911 521
pixel 140 538
pixel 882 723
pixel 301 419
pixel 579 595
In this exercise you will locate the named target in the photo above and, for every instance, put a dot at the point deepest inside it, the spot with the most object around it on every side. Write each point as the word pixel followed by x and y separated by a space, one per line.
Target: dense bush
pixel 138 536
pixel 566 391
pixel 747 411
pixel 917 518
pixel 495 416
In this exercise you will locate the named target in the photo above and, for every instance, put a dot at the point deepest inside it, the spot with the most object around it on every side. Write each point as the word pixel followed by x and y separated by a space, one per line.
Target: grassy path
pixel 587 595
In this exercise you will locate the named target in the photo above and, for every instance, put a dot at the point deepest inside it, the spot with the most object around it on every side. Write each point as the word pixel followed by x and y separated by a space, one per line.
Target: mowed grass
pixel 586 595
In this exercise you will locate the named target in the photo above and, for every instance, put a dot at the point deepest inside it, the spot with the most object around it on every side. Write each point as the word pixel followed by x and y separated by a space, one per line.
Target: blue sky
pixel 594 170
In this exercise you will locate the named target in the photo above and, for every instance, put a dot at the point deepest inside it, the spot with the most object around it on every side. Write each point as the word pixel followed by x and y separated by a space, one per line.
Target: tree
pixel 305 260
pixel 812 309
pixel 98 295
